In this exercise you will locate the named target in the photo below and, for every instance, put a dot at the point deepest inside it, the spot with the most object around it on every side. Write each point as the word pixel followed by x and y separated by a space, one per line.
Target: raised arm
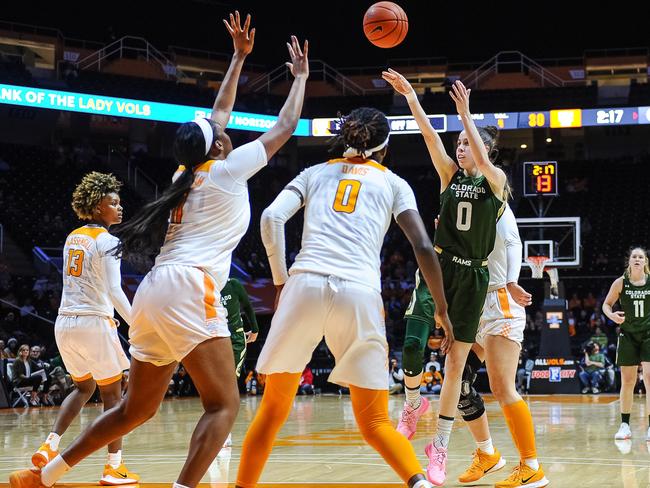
pixel 411 224
pixel 445 166
pixel 495 176
pixel 289 116
pixel 243 41
pixel 611 298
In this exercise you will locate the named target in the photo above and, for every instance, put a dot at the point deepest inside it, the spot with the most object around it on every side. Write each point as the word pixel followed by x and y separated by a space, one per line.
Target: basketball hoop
pixel 537 265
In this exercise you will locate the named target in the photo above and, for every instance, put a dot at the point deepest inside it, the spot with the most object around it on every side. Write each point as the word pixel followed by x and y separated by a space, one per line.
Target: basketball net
pixel 537 267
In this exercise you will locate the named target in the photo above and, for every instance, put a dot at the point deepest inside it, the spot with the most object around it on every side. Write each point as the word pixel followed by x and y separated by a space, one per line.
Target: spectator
pixel 575 302
pixel 254 382
pixel 599 338
pixel 35 356
pixel 395 378
pixel 524 371
pixel 12 345
pixel 593 368
pixel 589 303
pixel 306 386
pixel 431 381
pixel 433 361
pixel 183 385
pixel 25 373
pixel 27 308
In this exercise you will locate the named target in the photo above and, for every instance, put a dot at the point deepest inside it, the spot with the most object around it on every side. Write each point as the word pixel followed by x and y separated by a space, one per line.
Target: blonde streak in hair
pixel 507 191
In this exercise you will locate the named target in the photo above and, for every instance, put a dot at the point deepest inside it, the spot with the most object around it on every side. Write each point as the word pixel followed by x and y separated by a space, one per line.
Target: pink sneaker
pixel 408 424
pixel 437 467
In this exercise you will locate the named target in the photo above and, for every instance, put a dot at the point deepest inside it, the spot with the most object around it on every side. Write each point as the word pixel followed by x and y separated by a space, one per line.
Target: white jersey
pixel 88 273
pixel 348 208
pixel 207 226
pixel 507 242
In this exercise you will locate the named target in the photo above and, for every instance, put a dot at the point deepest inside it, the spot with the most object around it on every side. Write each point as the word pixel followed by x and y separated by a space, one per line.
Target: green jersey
pixel 469 211
pixel 635 301
pixel 235 300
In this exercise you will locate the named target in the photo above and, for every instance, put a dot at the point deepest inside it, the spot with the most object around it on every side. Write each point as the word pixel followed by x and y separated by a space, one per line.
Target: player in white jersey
pixel 333 290
pixel 85 331
pixel 176 310
pixel 498 342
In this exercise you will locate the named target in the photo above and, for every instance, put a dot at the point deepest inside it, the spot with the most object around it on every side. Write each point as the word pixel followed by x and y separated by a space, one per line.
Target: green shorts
pixel 633 348
pixel 465 291
pixel 238 339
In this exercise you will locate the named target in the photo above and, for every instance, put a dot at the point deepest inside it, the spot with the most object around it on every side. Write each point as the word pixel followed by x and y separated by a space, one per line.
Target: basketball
pixel 385 24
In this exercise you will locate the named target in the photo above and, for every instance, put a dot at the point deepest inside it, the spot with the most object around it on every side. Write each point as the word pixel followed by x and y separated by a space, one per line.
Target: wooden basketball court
pixel 321 447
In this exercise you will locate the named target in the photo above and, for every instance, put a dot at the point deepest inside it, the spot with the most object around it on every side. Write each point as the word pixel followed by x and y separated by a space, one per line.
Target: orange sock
pixel 520 423
pixel 273 412
pixel 371 411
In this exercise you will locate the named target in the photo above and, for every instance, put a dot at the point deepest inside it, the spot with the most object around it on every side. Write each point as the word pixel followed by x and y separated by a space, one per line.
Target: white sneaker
pixel 624 445
pixel 624 432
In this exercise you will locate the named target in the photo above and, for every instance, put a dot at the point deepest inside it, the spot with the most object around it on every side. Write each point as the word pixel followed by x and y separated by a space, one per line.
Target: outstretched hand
pixel 299 65
pixel 242 39
pixel 397 81
pixel 460 95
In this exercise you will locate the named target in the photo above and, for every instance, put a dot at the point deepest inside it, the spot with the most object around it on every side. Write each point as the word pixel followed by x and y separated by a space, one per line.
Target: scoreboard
pixel 540 178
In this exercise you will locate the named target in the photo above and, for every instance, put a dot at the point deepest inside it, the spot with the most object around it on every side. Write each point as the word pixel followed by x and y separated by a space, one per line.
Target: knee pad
pixel 412 356
pixel 470 404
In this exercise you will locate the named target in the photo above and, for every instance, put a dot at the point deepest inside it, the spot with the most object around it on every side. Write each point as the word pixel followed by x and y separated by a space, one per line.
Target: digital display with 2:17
pixel 540 178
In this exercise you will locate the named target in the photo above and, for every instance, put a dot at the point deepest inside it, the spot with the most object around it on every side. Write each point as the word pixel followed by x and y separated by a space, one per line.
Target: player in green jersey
pixel 471 200
pixel 243 330
pixel 632 290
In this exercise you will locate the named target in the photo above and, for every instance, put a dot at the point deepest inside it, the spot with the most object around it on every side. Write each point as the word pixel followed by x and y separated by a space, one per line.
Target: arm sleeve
pixel 507 227
pixel 239 166
pixel 246 306
pixel 404 198
pixel 285 205
pixel 114 279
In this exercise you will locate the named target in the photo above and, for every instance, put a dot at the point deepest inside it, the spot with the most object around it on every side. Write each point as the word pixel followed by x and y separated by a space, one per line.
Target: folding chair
pixel 20 391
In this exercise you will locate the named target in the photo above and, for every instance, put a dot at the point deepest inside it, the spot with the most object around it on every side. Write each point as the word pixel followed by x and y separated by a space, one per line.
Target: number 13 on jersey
pixel 346 196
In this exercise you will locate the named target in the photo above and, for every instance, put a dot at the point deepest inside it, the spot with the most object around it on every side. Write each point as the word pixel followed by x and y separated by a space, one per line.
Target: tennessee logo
pixel 377 29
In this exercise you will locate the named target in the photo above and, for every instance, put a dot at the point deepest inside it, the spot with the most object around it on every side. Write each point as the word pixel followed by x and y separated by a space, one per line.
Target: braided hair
pixel 361 129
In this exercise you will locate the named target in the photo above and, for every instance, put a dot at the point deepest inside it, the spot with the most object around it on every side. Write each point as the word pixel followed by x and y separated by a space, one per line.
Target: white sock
pixel 178 485
pixel 532 463
pixel 486 446
pixel 441 439
pixel 422 484
pixel 54 471
pixel 115 459
pixel 53 441
pixel 413 397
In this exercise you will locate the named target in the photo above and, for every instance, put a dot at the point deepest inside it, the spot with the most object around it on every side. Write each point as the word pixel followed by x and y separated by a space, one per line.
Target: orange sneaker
pixel 43 456
pixel 26 478
pixel 482 464
pixel 119 476
pixel 523 475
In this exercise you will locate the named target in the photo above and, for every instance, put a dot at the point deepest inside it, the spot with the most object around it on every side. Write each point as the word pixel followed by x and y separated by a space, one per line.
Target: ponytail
pixel 143 235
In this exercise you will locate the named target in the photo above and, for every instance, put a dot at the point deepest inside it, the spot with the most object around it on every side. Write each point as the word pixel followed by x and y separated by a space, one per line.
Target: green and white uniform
pixel 465 236
pixel 634 338
pixel 235 300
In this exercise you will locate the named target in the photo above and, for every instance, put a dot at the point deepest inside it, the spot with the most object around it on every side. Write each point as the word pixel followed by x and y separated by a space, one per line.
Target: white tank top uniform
pixel 85 331
pixel 333 288
pixel 177 306
pixel 501 314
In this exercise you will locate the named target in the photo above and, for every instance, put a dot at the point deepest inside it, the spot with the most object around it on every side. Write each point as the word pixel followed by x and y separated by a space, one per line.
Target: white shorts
pixel 349 315
pixel 175 309
pixel 90 348
pixel 501 316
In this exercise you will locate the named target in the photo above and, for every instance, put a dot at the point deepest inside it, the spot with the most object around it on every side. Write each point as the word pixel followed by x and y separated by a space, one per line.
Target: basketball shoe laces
pixel 409 417
pixel 440 455
pixel 516 473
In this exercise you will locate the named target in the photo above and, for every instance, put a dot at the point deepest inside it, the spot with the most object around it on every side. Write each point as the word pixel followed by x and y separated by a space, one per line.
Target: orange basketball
pixel 385 24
